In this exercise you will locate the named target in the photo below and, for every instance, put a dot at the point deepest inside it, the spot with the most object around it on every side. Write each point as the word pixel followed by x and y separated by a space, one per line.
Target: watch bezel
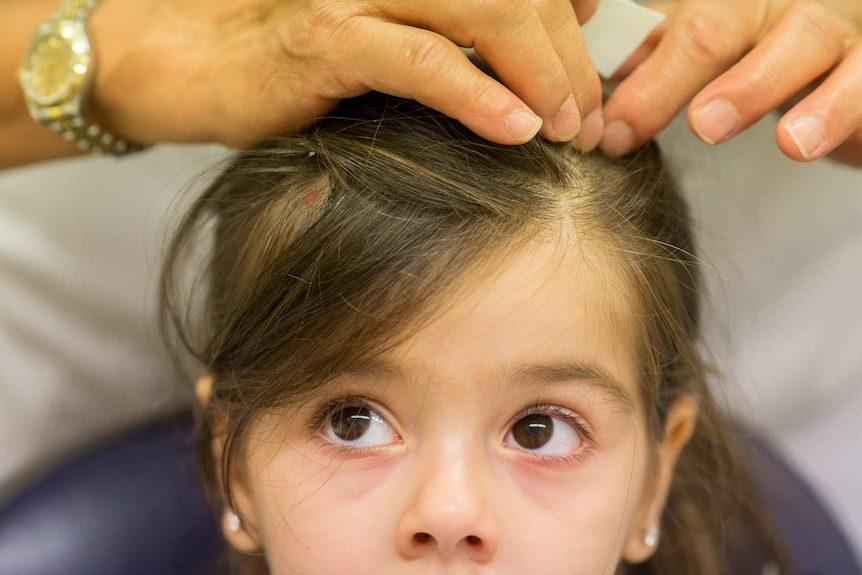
pixel 73 34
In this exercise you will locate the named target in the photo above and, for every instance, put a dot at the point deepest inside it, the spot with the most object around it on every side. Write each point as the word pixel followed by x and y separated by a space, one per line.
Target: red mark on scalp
pixel 311 197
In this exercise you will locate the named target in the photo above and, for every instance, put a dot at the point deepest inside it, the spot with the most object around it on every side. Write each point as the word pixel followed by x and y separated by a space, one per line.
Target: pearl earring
pixel 233 522
pixel 650 536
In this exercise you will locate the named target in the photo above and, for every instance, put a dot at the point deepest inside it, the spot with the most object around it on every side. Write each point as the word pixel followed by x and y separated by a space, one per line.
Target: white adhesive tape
pixel 615 31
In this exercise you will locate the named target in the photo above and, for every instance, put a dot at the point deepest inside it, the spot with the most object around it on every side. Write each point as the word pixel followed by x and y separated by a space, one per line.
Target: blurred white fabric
pixel 80 355
pixel 782 244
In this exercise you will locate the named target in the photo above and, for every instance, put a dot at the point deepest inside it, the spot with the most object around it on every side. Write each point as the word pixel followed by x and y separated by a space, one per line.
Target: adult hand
pixel 237 71
pixel 737 60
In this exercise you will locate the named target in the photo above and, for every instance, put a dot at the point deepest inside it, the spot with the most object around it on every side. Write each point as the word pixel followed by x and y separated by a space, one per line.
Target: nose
pixel 448 515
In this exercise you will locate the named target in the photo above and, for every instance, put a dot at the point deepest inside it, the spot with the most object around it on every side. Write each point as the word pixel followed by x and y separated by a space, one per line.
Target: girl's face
pixel 506 436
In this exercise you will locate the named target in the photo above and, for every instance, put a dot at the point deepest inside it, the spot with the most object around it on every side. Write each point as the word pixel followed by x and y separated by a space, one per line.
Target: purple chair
pixel 131 507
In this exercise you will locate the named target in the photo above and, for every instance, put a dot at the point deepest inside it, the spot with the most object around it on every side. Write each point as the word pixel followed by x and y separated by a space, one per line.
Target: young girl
pixel 433 354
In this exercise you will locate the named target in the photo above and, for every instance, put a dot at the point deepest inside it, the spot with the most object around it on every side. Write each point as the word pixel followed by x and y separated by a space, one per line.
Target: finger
pixel 702 41
pixel 512 38
pixel 422 65
pixel 564 32
pixel 830 115
pixel 792 55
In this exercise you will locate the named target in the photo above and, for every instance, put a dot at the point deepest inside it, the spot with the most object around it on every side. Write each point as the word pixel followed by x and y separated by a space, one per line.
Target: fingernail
pixel 716 121
pixel 567 122
pixel 808 133
pixel 619 138
pixel 591 131
pixel 523 125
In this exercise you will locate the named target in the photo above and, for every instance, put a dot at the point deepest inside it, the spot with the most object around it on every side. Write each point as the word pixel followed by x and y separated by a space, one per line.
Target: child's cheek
pixel 326 481
pixel 322 513
pixel 584 510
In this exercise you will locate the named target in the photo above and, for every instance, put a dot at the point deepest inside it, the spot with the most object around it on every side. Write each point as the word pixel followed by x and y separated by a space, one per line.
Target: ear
pixel 680 424
pixel 244 538
pixel 240 539
pixel 204 390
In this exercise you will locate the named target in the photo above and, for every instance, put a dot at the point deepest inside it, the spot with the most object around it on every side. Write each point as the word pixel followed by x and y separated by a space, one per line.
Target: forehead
pixel 551 309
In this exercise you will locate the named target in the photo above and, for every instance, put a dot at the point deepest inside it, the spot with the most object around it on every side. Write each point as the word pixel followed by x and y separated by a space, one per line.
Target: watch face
pixel 55 64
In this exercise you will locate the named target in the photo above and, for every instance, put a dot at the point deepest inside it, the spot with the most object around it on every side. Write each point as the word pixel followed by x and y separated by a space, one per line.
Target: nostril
pixel 422 537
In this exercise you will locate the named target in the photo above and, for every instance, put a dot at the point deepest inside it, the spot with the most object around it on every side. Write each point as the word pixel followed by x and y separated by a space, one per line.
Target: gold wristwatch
pixel 55 74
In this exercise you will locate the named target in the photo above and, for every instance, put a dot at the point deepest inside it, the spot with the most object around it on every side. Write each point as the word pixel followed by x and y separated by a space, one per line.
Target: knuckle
pixel 757 81
pixel 711 37
pixel 425 54
pixel 485 96
pixel 327 14
pixel 321 20
pixel 813 16
pixel 811 10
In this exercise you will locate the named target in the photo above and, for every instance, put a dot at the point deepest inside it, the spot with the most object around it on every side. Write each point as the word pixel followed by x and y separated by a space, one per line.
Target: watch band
pixel 90 138
pixel 75 128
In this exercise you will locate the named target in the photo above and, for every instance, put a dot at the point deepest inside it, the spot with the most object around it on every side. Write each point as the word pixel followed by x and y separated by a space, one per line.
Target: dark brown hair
pixel 327 246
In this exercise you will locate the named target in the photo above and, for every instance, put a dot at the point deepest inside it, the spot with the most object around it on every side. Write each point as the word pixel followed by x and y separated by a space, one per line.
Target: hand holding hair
pixel 738 60
pixel 239 71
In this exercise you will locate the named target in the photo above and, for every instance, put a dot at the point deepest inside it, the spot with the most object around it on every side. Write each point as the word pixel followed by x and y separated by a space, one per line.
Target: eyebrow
pixel 529 375
pixel 570 371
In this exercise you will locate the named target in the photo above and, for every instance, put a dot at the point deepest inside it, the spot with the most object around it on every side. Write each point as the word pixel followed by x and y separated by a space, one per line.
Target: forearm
pixel 239 71
pixel 23 140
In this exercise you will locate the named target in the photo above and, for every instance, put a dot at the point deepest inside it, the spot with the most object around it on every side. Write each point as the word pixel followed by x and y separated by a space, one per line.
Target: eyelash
pixel 569 417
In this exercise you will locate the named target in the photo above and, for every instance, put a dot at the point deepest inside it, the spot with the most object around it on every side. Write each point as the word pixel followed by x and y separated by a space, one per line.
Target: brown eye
pixel 354 423
pixel 542 433
pixel 350 423
pixel 533 431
